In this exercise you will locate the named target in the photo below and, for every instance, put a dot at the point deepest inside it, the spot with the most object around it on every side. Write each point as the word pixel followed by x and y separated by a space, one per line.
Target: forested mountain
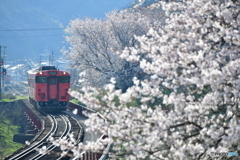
pixel 19 17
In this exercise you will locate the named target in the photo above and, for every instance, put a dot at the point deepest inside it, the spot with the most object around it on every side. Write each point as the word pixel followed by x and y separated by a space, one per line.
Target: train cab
pixel 48 88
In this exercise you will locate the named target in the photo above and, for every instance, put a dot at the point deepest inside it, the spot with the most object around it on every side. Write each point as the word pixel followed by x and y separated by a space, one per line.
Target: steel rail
pixel 17 89
pixel 34 146
pixel 78 136
pixel 65 133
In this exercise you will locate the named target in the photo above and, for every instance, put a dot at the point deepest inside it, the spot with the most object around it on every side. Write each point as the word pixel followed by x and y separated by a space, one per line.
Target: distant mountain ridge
pixel 50 14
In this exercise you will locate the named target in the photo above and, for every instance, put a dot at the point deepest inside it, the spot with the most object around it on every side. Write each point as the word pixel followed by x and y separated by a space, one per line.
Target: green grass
pixel 9 98
pixel 21 97
pixel 77 102
pixel 9 125
pixel 7 146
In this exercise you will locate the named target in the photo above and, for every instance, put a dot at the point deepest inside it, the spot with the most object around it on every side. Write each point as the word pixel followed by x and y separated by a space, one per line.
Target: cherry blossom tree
pixel 188 106
pixel 95 44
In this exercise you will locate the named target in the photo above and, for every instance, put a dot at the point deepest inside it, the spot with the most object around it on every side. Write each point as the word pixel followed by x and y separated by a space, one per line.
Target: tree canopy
pixel 188 105
pixel 96 44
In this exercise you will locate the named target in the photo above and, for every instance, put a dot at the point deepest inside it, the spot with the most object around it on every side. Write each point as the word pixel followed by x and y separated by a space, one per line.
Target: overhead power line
pixel 34 36
pixel 32 29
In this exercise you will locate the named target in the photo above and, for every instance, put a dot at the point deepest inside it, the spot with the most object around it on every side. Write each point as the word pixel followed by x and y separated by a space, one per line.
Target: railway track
pixel 16 89
pixel 57 126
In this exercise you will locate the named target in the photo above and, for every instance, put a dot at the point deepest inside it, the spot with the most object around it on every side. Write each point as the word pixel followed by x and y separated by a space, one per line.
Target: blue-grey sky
pixel 71 9
pixel 19 15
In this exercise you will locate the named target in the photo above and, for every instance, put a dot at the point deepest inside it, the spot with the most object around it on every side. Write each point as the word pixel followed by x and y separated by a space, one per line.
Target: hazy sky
pixel 20 18
pixel 71 9
pixel 64 10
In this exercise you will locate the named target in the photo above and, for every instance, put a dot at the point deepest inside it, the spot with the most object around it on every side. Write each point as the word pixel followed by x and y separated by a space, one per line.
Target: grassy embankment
pixel 9 98
pixel 7 130
pixel 9 125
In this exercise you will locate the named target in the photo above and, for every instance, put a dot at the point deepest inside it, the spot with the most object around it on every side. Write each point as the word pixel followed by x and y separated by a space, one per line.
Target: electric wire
pixel 31 29
pixel 33 36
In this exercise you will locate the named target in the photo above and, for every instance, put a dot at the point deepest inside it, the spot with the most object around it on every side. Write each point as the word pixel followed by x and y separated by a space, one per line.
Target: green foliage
pixel 9 98
pixel 134 103
pixel 116 100
pixel 21 97
pixel 5 100
pixel 7 130
pixel 9 125
pixel 77 102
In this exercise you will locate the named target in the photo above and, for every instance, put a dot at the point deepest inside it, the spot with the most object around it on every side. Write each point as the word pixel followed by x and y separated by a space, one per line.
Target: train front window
pixel 64 79
pixel 41 79
pixel 52 81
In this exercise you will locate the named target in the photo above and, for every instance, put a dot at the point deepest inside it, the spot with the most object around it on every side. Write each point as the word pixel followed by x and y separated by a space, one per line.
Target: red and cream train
pixel 48 89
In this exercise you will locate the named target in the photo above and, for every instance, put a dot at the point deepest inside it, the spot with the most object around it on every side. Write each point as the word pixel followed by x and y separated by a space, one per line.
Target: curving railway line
pixel 55 126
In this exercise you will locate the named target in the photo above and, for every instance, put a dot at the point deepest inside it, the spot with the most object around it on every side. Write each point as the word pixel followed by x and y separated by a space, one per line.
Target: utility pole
pixel 40 61
pixel 1 63
pixel 52 58
pixel 1 67
pixel 49 60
